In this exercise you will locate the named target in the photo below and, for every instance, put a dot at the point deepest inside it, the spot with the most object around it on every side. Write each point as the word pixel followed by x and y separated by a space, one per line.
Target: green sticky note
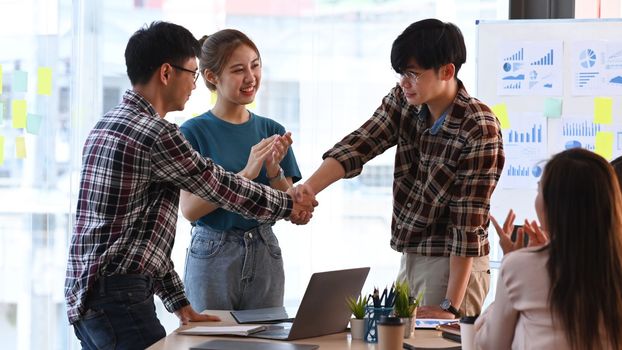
pixel 44 81
pixel 20 147
pixel 603 110
pixel 18 111
pixel 20 81
pixel 553 107
pixel 604 144
pixel 501 111
pixel 1 150
pixel 0 79
pixel 33 123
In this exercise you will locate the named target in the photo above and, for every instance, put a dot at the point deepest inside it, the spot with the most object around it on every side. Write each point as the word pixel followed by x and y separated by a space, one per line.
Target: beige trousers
pixel 431 274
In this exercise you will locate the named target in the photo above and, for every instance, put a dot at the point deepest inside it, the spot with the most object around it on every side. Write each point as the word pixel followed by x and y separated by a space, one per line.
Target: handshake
pixel 304 203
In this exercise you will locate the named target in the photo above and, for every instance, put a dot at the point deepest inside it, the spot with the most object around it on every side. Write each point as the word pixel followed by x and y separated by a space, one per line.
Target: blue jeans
pixel 234 270
pixel 120 314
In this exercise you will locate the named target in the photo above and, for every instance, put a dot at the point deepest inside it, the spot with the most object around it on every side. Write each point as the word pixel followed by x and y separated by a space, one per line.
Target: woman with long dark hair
pixel 567 292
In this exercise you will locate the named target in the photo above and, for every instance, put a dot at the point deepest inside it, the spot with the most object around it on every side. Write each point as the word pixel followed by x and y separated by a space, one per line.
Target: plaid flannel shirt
pixel 134 163
pixel 442 181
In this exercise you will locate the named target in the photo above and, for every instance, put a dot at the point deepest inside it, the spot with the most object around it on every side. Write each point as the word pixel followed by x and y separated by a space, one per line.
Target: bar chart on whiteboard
pixel 525 145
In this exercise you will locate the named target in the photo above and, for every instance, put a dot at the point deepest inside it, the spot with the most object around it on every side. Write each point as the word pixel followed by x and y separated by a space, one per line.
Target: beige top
pixel 520 317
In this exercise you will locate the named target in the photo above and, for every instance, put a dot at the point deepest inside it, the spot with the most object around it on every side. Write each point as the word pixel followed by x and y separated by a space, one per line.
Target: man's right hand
pixel 304 204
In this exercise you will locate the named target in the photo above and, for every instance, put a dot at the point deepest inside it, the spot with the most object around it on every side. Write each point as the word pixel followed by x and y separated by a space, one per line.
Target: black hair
pixel 431 43
pixel 156 44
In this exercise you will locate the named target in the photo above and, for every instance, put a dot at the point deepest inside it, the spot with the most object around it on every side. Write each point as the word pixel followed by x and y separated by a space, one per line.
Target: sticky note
pixel 604 144
pixel 603 108
pixel 44 81
pixel 553 107
pixel 0 79
pixel 1 150
pixel 213 98
pixel 20 147
pixel 18 111
pixel 33 123
pixel 501 111
pixel 20 81
pixel 252 106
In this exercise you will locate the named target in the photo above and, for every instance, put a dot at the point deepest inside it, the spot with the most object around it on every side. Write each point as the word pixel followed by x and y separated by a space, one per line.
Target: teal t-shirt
pixel 229 146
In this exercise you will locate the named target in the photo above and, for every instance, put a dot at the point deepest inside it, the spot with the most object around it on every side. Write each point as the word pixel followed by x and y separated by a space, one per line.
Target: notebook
pixel 250 345
pixel 323 308
pixel 241 330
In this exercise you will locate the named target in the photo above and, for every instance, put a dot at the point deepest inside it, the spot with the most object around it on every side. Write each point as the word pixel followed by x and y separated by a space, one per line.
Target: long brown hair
pixel 216 49
pixel 582 202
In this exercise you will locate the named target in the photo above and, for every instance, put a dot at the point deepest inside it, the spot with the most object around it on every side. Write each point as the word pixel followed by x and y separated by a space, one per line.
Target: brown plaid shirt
pixel 442 181
pixel 134 164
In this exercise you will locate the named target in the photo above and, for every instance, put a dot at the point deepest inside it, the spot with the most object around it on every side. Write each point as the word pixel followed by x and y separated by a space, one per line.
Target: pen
pixel 376 298
pixel 391 296
pixel 384 297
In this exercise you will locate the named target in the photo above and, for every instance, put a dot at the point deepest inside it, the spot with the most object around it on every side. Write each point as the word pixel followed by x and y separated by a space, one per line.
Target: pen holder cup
pixel 372 316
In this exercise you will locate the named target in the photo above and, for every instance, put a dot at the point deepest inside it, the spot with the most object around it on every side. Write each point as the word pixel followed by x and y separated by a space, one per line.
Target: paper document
pixel 225 330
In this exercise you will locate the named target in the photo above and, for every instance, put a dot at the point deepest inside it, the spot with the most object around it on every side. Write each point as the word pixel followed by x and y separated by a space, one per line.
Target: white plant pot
pixel 357 328
pixel 409 326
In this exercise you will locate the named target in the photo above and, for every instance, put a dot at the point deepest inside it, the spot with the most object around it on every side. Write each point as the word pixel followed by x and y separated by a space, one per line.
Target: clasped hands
pixel 304 203
pixel 537 236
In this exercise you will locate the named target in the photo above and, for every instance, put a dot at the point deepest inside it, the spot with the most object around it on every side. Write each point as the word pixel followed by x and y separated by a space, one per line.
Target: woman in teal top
pixel 233 262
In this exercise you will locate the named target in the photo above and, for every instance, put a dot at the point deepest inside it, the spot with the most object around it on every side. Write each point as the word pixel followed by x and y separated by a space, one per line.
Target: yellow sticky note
pixel 44 81
pixel 603 108
pixel 604 144
pixel 501 111
pixel 0 79
pixel 20 147
pixel 252 106
pixel 1 150
pixel 18 111
pixel 213 98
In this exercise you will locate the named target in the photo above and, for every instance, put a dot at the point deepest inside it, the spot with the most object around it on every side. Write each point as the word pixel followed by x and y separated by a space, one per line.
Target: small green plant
pixel 357 306
pixel 405 305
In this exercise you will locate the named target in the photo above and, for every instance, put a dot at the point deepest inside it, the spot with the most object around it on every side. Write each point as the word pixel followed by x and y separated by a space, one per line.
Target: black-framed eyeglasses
pixel 195 72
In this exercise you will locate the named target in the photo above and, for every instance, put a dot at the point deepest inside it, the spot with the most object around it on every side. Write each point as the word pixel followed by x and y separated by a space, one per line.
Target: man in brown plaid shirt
pixel 448 160
pixel 134 164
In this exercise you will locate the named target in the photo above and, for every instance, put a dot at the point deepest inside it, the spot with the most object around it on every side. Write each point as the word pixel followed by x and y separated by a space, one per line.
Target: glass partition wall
pixel 325 69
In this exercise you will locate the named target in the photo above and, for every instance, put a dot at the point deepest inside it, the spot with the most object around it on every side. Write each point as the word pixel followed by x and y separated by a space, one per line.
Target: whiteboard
pixel 495 40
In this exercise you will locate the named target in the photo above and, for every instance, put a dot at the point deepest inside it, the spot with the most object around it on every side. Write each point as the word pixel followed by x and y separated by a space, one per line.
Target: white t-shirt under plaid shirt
pixel 134 163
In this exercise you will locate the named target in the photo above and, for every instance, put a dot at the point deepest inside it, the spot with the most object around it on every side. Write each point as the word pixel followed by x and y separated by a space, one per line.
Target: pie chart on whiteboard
pixel 587 58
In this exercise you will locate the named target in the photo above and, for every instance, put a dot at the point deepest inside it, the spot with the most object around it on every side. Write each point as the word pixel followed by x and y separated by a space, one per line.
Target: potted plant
pixel 357 323
pixel 406 306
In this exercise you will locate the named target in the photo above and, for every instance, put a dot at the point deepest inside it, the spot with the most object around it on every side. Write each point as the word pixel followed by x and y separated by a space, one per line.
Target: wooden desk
pixel 174 341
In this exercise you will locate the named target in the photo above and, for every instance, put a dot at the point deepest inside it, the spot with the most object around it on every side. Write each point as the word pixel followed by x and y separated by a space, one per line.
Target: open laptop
pixel 323 309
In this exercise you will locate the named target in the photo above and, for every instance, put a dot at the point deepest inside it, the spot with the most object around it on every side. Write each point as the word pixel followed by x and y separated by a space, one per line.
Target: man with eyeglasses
pixel 448 160
pixel 134 163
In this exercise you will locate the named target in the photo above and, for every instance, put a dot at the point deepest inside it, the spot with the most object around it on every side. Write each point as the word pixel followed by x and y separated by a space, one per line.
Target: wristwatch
pixel 278 177
pixel 446 306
